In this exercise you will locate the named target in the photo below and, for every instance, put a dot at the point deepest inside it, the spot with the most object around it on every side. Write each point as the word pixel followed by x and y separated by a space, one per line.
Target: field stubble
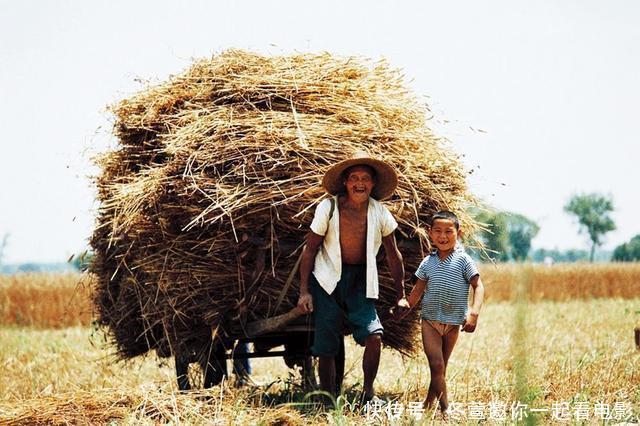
pixel 563 350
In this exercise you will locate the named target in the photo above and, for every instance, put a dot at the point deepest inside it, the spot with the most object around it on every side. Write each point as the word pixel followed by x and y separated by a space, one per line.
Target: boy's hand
pixel 470 322
pixel 305 303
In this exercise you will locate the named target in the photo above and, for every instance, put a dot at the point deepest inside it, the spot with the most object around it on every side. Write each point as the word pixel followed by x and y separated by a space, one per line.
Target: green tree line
pixel 507 236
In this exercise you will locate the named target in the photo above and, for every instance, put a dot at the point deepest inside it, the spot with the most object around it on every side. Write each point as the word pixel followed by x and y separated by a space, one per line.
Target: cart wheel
pixel 308 372
pixel 297 358
pixel 203 370
pixel 215 366
pixel 182 372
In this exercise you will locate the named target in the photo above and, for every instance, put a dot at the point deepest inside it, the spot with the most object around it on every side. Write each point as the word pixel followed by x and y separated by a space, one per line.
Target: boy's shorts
pixel 440 327
pixel 347 302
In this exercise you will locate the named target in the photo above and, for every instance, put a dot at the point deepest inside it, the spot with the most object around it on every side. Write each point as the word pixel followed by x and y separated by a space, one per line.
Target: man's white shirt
pixel 328 262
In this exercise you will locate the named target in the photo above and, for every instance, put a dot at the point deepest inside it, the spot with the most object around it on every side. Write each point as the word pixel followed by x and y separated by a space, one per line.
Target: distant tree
pixel 621 253
pixel 82 261
pixel 508 235
pixel 569 255
pixel 29 267
pixel 495 238
pixel 521 231
pixel 539 255
pixel 627 252
pixel 592 212
pixel 575 255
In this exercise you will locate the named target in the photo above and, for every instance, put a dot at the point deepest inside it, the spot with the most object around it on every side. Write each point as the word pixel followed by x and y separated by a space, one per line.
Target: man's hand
pixel 305 303
pixel 470 322
pixel 402 308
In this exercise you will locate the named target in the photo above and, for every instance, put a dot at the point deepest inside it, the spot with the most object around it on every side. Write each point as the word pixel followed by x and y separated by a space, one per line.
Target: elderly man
pixel 346 234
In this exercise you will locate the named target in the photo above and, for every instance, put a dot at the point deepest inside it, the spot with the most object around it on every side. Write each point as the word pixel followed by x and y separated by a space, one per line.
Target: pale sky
pixel 555 85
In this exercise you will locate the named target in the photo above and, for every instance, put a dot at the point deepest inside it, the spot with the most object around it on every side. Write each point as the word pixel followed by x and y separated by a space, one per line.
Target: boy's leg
pixel 448 342
pixel 432 344
pixel 438 350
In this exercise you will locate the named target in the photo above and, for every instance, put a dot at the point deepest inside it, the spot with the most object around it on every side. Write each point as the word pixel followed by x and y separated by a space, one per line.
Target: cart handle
pixel 267 325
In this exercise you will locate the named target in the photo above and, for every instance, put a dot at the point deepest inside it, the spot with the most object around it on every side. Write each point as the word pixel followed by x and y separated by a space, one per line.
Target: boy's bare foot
pixel 426 404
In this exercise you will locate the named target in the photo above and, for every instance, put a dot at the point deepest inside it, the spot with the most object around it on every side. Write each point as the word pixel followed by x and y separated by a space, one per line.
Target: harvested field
pixel 45 300
pixel 575 352
pixel 57 301
pixel 564 281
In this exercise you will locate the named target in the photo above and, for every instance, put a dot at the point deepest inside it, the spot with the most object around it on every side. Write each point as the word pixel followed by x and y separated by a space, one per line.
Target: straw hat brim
pixel 386 177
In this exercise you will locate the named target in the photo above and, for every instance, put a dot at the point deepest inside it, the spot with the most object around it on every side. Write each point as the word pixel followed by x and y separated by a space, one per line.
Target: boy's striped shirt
pixel 447 290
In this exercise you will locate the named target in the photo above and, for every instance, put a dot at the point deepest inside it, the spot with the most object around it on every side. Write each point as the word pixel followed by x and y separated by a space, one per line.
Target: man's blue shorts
pixel 349 303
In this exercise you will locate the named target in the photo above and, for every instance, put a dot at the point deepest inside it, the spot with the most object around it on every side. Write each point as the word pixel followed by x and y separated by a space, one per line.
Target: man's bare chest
pixel 353 224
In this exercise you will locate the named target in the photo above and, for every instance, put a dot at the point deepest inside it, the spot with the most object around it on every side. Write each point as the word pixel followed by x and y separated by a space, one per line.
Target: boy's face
pixel 444 235
pixel 359 183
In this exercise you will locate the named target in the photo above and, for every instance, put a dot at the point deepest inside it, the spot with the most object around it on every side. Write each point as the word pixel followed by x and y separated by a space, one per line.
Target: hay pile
pixel 210 192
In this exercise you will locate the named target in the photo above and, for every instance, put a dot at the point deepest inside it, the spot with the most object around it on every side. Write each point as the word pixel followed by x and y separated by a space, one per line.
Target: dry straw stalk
pixel 206 200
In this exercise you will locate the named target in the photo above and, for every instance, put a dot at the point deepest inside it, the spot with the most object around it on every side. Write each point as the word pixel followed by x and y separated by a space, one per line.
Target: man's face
pixel 359 183
pixel 444 234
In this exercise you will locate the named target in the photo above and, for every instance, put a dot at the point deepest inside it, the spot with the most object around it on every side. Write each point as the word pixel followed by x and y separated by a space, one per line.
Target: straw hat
pixel 386 177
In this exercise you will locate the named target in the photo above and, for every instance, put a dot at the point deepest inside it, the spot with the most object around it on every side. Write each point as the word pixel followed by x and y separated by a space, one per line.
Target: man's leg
pixel 340 367
pixel 327 373
pixel 327 318
pixel 370 363
pixel 366 326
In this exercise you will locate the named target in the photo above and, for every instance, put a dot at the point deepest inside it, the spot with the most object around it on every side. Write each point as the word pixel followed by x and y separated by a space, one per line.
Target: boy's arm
pixel 478 296
pixel 417 292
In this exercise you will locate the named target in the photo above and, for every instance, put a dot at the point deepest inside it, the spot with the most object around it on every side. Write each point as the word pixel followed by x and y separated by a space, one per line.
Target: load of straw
pixel 206 201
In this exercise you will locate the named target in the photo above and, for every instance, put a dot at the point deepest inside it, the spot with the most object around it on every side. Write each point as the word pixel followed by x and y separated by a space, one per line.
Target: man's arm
pixel 478 296
pixel 394 260
pixel 305 302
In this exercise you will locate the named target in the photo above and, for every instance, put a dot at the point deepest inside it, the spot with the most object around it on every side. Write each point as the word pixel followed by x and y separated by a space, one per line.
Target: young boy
pixel 444 278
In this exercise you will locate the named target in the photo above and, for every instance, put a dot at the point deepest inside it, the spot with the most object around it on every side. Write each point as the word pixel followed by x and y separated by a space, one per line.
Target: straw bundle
pixel 206 200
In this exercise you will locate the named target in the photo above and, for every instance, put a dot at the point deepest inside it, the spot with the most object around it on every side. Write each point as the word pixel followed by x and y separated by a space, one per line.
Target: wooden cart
pixel 291 330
